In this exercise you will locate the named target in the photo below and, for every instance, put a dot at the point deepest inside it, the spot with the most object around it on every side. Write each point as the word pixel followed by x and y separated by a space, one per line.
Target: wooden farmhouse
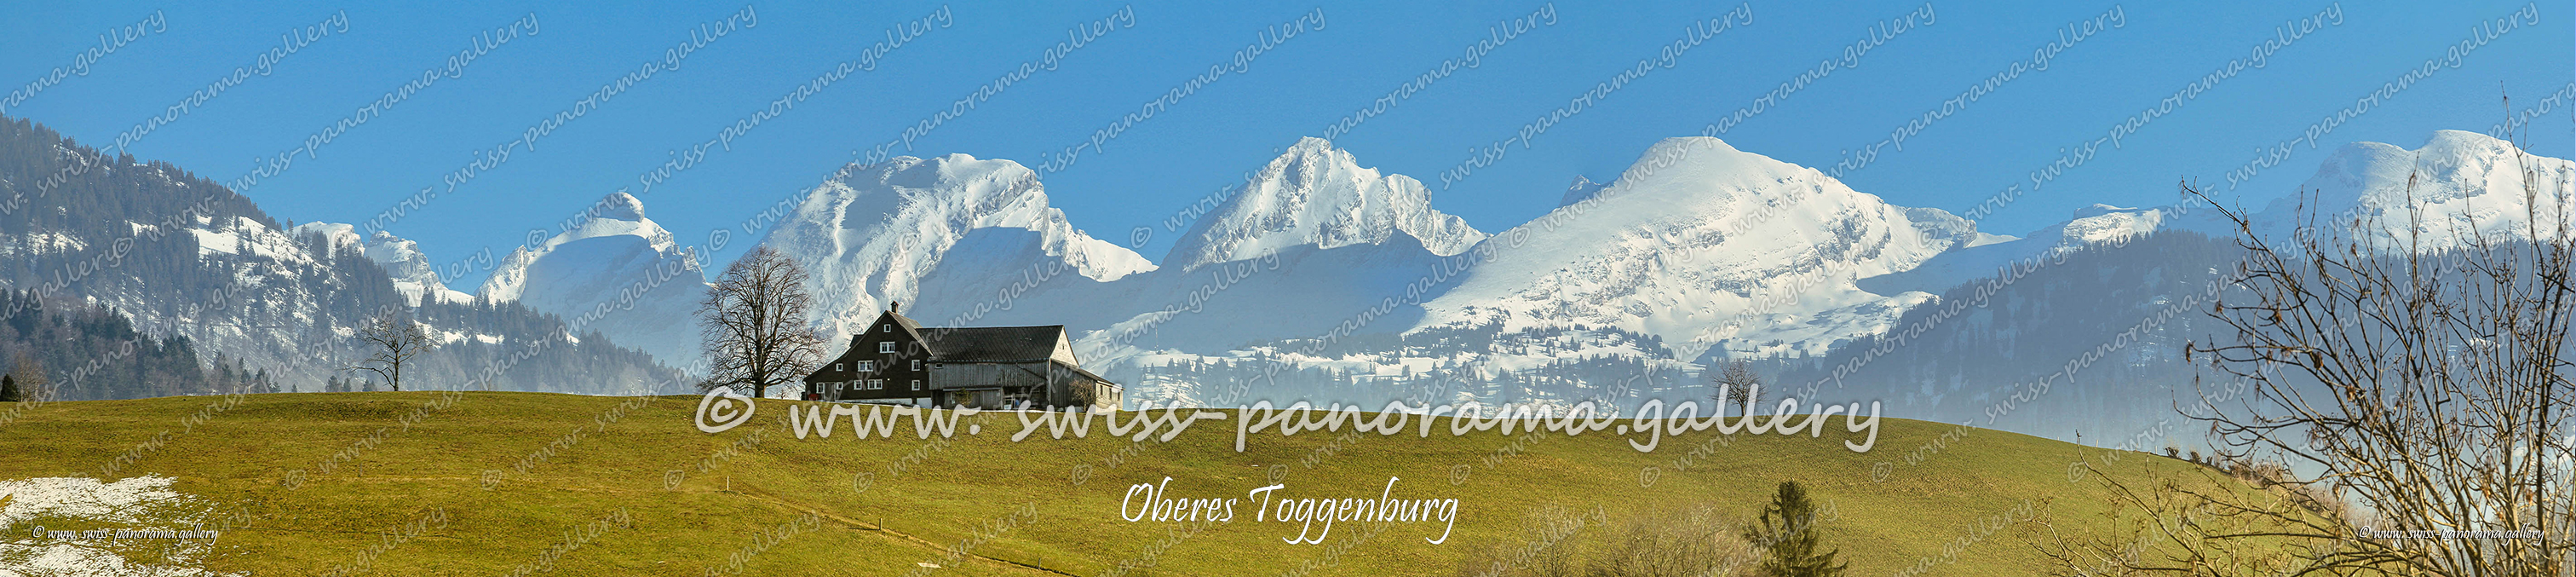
pixel 897 361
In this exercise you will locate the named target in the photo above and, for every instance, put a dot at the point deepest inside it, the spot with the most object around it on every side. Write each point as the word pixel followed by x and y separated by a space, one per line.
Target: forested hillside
pixel 176 260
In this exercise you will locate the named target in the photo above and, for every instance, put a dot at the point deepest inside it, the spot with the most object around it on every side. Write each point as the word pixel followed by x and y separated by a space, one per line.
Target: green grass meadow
pixel 489 483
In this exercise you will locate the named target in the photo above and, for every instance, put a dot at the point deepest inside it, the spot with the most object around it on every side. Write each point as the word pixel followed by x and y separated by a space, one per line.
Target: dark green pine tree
pixel 1786 532
pixel 8 389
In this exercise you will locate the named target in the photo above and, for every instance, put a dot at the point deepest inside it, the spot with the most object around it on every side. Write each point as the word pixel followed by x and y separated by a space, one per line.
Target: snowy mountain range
pixel 1318 278
pixel 1723 248
pixel 1699 251
pixel 182 257
pixel 2466 183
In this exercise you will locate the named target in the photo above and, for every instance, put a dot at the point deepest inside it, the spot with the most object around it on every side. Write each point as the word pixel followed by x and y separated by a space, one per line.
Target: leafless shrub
pixel 27 380
pixel 1661 542
pixel 2427 387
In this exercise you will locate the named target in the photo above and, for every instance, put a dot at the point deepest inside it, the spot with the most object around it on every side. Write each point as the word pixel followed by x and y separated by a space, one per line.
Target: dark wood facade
pixel 895 360
pixel 886 362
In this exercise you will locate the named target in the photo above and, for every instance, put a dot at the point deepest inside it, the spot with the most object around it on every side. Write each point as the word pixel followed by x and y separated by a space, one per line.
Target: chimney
pixel 895 307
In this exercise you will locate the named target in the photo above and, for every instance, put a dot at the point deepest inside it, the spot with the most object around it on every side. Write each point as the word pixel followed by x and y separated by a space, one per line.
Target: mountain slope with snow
pixel 869 235
pixel 182 256
pixel 401 258
pixel 1697 247
pixel 968 242
pixel 2098 225
pixel 2103 305
pixel 617 265
pixel 1720 248
pixel 2466 184
pixel 1324 279
pixel 1317 195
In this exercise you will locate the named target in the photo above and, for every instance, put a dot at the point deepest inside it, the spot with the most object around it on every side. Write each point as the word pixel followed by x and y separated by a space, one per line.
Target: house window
pixel 885 347
pixel 916 364
pixel 836 367
pixel 867 366
pixel 885 329
pixel 916 384
pixel 876 384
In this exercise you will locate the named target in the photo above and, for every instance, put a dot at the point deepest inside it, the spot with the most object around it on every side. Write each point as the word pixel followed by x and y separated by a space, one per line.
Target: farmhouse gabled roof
pixel 989 344
pixel 1085 373
pixel 907 323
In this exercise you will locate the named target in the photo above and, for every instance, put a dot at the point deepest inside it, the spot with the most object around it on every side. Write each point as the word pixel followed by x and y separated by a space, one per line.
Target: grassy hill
pixel 423 483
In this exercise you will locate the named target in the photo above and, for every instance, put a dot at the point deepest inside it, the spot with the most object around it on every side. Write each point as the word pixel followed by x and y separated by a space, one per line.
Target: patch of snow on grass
pixel 81 504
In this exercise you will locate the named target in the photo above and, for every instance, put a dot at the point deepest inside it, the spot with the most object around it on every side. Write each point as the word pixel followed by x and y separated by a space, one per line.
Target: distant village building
pixel 895 360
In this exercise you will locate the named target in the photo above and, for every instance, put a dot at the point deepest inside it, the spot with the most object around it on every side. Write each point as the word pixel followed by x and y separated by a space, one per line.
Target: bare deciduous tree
pixel 27 380
pixel 754 324
pixel 1737 382
pixel 393 339
pixel 2426 384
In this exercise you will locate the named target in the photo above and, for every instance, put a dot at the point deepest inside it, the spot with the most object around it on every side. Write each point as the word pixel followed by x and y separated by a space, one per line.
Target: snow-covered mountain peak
pixel 401 258
pixel 1706 246
pixel 1582 188
pixel 622 206
pixel 2460 178
pixel 2099 209
pixel 2103 223
pixel 2463 155
pixel 1706 179
pixel 907 205
pixel 1707 176
pixel 410 269
pixel 617 267
pixel 870 233
pixel 618 217
pixel 949 172
pixel 1710 160
pixel 618 214
pixel 1318 195
pixel 2465 182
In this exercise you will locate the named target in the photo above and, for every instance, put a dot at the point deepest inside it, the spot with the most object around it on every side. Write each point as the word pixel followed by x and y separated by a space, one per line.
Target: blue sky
pixel 1206 140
